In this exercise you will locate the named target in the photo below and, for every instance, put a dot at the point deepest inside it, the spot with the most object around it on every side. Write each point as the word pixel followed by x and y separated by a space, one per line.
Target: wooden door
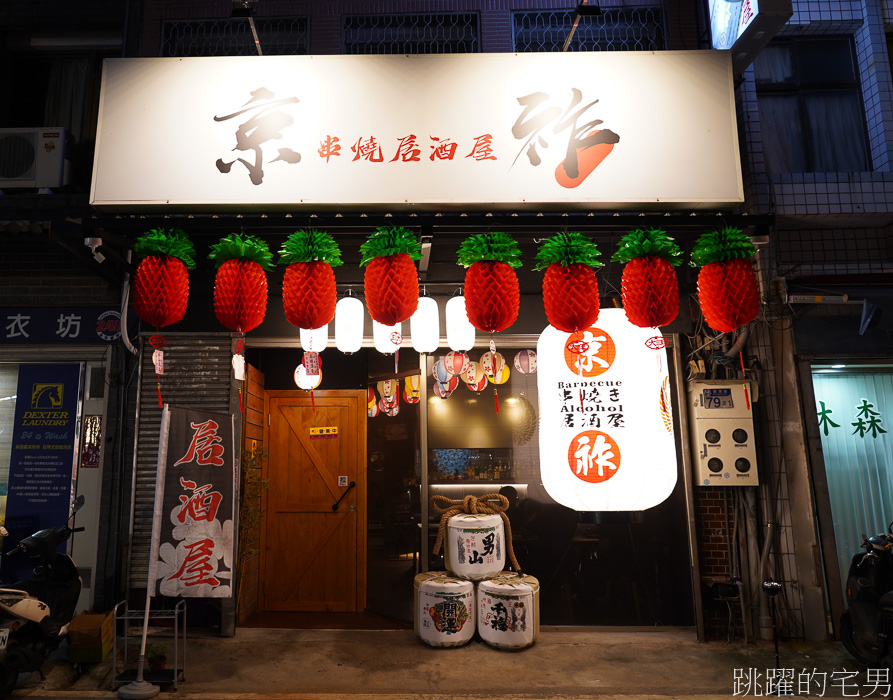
pixel 314 557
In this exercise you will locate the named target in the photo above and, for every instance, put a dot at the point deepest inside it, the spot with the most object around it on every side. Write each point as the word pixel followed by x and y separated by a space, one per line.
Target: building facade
pixel 814 121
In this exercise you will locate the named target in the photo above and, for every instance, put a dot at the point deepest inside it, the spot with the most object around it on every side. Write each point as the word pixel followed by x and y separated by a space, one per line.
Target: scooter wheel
pixel 848 637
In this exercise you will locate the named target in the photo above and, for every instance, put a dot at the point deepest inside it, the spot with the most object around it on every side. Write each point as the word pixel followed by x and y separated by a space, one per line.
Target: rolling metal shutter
pixel 197 374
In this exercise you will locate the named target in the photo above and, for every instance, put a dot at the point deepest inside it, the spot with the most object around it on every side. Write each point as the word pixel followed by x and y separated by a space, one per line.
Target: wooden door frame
pixel 360 397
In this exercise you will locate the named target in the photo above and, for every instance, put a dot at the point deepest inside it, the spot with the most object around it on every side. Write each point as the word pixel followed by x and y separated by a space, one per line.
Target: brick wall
pixel 35 271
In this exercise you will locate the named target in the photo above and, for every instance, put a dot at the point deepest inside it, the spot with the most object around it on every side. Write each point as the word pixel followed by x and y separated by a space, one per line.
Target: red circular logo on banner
pixel 656 342
pixel 593 456
pixel 591 351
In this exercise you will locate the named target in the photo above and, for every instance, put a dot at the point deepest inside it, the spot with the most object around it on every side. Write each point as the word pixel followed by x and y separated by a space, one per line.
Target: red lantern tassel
pixel 496 398
pixel 743 374
pixel 241 410
pixel 160 405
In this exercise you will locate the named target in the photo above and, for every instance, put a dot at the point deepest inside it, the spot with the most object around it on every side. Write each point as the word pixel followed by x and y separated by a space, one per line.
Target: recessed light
pixel 837 366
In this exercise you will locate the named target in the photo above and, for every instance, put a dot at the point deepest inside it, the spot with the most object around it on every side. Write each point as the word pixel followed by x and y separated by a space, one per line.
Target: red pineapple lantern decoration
pixel 240 287
pixel 727 284
pixel 492 295
pixel 161 282
pixel 570 287
pixel 391 280
pixel 649 286
pixel 308 287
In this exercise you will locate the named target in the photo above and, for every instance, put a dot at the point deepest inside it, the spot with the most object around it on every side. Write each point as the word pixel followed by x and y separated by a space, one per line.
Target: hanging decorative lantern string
pixel 472 505
pixel 159 342
pixel 743 371
pixel 239 367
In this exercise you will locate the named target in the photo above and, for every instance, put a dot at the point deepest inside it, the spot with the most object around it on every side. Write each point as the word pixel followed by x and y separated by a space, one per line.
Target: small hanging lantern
pixel 412 390
pixel 371 398
pixel 305 381
pixel 372 410
pixel 387 339
pixel 460 332
pixel 349 319
pixel 525 362
pixel 440 392
pixel 456 362
pixel 480 384
pixel 440 373
pixel 314 340
pixel 424 326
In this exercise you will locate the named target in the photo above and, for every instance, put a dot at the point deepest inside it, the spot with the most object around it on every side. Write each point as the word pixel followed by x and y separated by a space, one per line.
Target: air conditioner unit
pixel 33 157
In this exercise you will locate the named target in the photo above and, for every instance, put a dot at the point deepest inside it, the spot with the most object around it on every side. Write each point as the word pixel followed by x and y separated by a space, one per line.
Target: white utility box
pixel 722 432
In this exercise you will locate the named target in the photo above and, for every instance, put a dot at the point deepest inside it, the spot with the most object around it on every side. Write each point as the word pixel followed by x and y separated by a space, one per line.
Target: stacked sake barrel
pixel 475 592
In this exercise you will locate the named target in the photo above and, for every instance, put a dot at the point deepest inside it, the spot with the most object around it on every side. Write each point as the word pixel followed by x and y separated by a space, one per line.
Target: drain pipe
pixel 125 300
pixel 765 617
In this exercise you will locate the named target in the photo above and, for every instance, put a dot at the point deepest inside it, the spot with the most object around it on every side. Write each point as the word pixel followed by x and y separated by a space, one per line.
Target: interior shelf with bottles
pixel 487 465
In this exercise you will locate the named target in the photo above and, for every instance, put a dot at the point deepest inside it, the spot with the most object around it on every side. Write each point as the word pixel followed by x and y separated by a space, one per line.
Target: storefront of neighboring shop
pixel 355 443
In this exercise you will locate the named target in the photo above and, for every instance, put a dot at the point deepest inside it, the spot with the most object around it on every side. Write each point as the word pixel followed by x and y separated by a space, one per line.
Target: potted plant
pixel 156 656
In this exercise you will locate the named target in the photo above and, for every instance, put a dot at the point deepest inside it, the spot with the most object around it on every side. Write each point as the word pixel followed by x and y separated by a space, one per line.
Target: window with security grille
pixel 283 36
pixel 811 108
pixel 614 29
pixel 428 33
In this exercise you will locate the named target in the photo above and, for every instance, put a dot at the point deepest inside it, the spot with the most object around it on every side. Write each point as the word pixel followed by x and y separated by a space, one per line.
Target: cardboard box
pixel 90 637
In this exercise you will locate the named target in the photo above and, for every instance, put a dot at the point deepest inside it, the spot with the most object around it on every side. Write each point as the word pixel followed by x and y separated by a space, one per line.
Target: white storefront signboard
pixel 592 129
pixel 606 422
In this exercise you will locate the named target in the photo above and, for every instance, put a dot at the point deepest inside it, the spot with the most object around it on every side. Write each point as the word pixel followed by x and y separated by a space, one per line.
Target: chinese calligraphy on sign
pixel 193 547
pixel 867 421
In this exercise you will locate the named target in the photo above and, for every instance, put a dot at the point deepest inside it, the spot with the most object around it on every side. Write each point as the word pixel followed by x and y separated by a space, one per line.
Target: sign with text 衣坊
pixel 606 422
pixel 42 456
pixel 582 129
pixel 86 325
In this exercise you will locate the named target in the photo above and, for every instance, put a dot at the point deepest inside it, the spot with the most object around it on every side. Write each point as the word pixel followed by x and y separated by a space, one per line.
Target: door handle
pixel 349 487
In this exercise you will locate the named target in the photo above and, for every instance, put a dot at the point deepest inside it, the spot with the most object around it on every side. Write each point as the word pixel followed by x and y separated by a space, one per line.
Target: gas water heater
pixel 722 432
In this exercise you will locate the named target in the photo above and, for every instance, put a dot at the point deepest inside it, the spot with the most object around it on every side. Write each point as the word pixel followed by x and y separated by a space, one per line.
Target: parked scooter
pixel 34 614
pixel 866 628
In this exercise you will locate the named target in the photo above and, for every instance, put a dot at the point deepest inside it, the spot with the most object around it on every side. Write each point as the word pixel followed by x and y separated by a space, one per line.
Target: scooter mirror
pixel 78 504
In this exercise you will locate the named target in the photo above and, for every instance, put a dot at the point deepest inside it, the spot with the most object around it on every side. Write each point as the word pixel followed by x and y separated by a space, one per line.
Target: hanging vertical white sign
pixel 606 426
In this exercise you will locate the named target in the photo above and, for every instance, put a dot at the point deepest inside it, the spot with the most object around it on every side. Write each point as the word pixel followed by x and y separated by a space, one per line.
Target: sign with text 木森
pixel 583 129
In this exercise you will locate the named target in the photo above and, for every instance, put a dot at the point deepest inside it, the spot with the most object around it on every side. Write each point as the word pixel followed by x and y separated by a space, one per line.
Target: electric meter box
pixel 722 432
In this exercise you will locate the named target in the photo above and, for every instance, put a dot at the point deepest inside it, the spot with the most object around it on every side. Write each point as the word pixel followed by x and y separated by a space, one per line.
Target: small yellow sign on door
pixel 329 431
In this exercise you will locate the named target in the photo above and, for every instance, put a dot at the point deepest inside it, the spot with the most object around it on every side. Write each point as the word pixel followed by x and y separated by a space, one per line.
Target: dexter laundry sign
pixel 582 129
pixel 192 535
pixel 606 429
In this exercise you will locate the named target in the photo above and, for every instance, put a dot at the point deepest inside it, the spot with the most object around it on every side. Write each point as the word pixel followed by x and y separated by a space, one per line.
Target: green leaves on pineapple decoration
pixel 727 285
pixel 309 294
pixel 493 246
pixel 173 243
pixel 570 287
pixel 310 245
pixel 566 249
pixel 648 286
pixel 242 246
pixel 391 280
pixel 392 240
pixel 240 287
pixel 492 295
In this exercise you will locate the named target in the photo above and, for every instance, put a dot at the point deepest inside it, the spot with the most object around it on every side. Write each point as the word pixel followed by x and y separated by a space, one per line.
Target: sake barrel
pixel 509 610
pixel 475 546
pixel 444 609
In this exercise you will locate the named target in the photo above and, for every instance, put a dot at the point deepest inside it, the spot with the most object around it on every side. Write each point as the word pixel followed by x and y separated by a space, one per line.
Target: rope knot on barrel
pixel 490 503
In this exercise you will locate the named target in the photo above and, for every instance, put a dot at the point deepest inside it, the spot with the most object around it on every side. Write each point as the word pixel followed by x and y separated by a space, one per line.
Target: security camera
pixel 94 242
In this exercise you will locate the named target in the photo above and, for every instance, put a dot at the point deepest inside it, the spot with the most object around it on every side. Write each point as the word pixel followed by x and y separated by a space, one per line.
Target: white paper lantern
pixel 387 339
pixel 306 381
pixel 315 340
pixel 460 332
pixel 349 324
pixel 424 326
